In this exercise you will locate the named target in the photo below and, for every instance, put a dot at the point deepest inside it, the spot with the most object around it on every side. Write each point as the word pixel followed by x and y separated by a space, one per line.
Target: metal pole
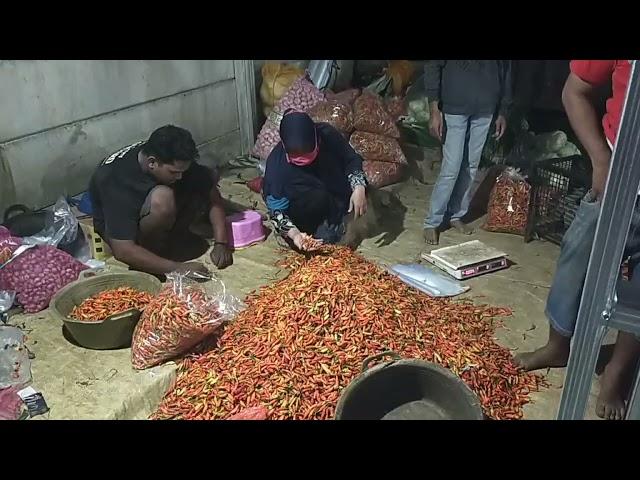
pixel 603 271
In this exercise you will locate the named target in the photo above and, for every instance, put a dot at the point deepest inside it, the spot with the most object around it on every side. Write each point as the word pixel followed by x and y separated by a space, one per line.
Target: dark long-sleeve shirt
pixel 470 87
pixel 337 169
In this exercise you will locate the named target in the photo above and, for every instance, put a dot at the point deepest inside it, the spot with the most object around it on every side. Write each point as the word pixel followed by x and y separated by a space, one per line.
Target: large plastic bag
pixel 370 115
pixel 401 72
pixel 276 80
pixel 428 281
pixel 339 115
pixel 508 210
pixel 301 96
pixel 181 316
pixel 348 97
pixel 381 174
pixel 37 275
pixel 63 229
pixel 15 365
pixel 377 148
pixel 396 107
pixel 6 301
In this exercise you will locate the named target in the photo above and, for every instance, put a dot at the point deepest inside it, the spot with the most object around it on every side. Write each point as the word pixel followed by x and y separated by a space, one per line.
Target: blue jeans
pixel 566 289
pixel 464 141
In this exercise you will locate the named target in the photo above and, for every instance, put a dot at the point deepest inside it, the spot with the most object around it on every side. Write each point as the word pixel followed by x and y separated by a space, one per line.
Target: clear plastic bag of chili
pixel 180 317
pixel 508 210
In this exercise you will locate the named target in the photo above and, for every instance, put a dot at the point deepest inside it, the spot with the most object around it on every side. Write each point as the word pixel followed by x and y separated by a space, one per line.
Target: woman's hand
pixel 303 241
pixel 358 202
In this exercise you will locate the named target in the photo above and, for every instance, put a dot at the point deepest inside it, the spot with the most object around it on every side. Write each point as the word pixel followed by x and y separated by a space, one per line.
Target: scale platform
pixel 467 260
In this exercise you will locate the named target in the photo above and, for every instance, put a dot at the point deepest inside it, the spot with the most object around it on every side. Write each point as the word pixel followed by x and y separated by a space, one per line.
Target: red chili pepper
pixel 302 340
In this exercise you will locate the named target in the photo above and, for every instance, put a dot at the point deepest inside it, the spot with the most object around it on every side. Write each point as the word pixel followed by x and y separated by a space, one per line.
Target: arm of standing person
pixel 506 97
pixel 578 100
pixel 352 163
pixel 433 88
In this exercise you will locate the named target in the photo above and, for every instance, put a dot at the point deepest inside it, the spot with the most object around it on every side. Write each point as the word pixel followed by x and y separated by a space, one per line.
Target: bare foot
pixel 617 377
pixel 554 354
pixel 461 227
pixel 613 392
pixel 431 236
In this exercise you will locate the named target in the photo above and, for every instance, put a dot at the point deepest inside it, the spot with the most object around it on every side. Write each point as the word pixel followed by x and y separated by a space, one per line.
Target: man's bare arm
pixel 217 216
pixel 578 100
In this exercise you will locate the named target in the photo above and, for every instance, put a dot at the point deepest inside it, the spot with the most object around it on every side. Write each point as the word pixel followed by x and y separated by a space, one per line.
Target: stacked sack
pixel 376 140
pixel 276 80
pixel 301 96
pixel 336 110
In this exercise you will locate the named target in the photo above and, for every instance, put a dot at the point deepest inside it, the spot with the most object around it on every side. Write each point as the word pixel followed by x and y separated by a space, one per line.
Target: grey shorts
pixel 566 289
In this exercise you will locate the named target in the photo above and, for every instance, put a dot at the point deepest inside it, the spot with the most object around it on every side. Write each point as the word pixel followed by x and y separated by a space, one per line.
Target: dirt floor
pixel 85 384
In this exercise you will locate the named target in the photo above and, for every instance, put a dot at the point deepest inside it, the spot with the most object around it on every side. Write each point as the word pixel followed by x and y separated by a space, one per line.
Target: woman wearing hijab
pixel 313 179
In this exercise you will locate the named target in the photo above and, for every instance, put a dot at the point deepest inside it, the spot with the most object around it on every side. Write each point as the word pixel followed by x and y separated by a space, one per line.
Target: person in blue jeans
pixel 565 294
pixel 464 96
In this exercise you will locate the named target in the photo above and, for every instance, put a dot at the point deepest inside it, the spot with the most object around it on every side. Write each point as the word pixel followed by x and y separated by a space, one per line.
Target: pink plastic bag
pixel 251 413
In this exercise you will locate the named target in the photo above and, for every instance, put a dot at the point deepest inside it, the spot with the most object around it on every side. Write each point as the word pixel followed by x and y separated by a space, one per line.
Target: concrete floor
pixel 85 384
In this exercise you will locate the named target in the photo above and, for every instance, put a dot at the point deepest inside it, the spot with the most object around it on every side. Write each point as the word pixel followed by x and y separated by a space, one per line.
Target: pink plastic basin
pixel 245 228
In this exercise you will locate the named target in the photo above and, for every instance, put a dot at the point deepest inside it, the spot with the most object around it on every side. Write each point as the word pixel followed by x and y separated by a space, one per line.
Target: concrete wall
pixel 60 118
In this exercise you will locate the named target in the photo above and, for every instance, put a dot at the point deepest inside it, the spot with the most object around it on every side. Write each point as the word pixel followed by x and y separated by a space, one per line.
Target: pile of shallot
pixel 37 274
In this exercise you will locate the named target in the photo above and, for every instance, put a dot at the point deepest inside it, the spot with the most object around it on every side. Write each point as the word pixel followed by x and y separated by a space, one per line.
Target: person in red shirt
pixel 597 137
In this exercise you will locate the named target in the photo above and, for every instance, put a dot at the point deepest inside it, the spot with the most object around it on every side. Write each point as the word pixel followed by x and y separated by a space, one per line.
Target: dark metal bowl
pixel 407 390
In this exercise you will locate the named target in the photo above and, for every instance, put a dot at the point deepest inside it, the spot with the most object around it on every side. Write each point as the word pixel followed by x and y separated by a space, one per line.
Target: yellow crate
pixel 99 248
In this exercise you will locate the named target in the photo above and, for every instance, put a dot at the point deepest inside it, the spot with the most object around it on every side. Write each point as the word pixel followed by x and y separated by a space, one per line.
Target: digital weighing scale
pixel 467 260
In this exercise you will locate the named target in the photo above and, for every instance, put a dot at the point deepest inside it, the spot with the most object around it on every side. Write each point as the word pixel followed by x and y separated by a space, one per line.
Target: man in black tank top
pixel 146 196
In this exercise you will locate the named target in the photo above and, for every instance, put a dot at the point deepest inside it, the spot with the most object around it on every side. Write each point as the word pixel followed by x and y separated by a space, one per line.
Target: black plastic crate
pixel 558 185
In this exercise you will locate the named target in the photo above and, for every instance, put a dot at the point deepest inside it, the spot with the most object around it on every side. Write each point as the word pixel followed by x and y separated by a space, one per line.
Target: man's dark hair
pixel 170 143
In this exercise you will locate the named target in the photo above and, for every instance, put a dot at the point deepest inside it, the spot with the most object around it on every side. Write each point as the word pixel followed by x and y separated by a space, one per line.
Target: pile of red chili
pixel 302 340
pixel 110 302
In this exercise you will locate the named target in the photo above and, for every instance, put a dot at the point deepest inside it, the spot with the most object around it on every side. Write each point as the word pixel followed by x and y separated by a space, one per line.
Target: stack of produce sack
pixel 301 96
pixel 276 80
pixel 376 139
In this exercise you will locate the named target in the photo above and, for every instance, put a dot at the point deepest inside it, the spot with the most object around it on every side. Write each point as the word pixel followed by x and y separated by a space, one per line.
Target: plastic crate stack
pixel 558 186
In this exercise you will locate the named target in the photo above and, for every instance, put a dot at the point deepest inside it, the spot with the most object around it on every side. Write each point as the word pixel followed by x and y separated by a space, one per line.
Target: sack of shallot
pixel 301 96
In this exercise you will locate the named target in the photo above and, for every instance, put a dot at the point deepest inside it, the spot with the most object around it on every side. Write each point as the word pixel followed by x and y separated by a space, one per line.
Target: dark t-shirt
pixel 119 188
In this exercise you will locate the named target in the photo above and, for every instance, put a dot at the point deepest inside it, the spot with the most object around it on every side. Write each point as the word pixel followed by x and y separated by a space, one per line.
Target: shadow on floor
pixel 385 216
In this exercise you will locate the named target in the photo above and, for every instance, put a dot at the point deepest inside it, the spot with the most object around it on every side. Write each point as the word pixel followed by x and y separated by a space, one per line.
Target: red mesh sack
pixel 381 174
pixel 377 148
pixel 370 115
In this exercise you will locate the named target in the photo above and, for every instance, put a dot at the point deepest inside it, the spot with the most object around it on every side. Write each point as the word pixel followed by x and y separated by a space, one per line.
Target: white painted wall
pixel 60 118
